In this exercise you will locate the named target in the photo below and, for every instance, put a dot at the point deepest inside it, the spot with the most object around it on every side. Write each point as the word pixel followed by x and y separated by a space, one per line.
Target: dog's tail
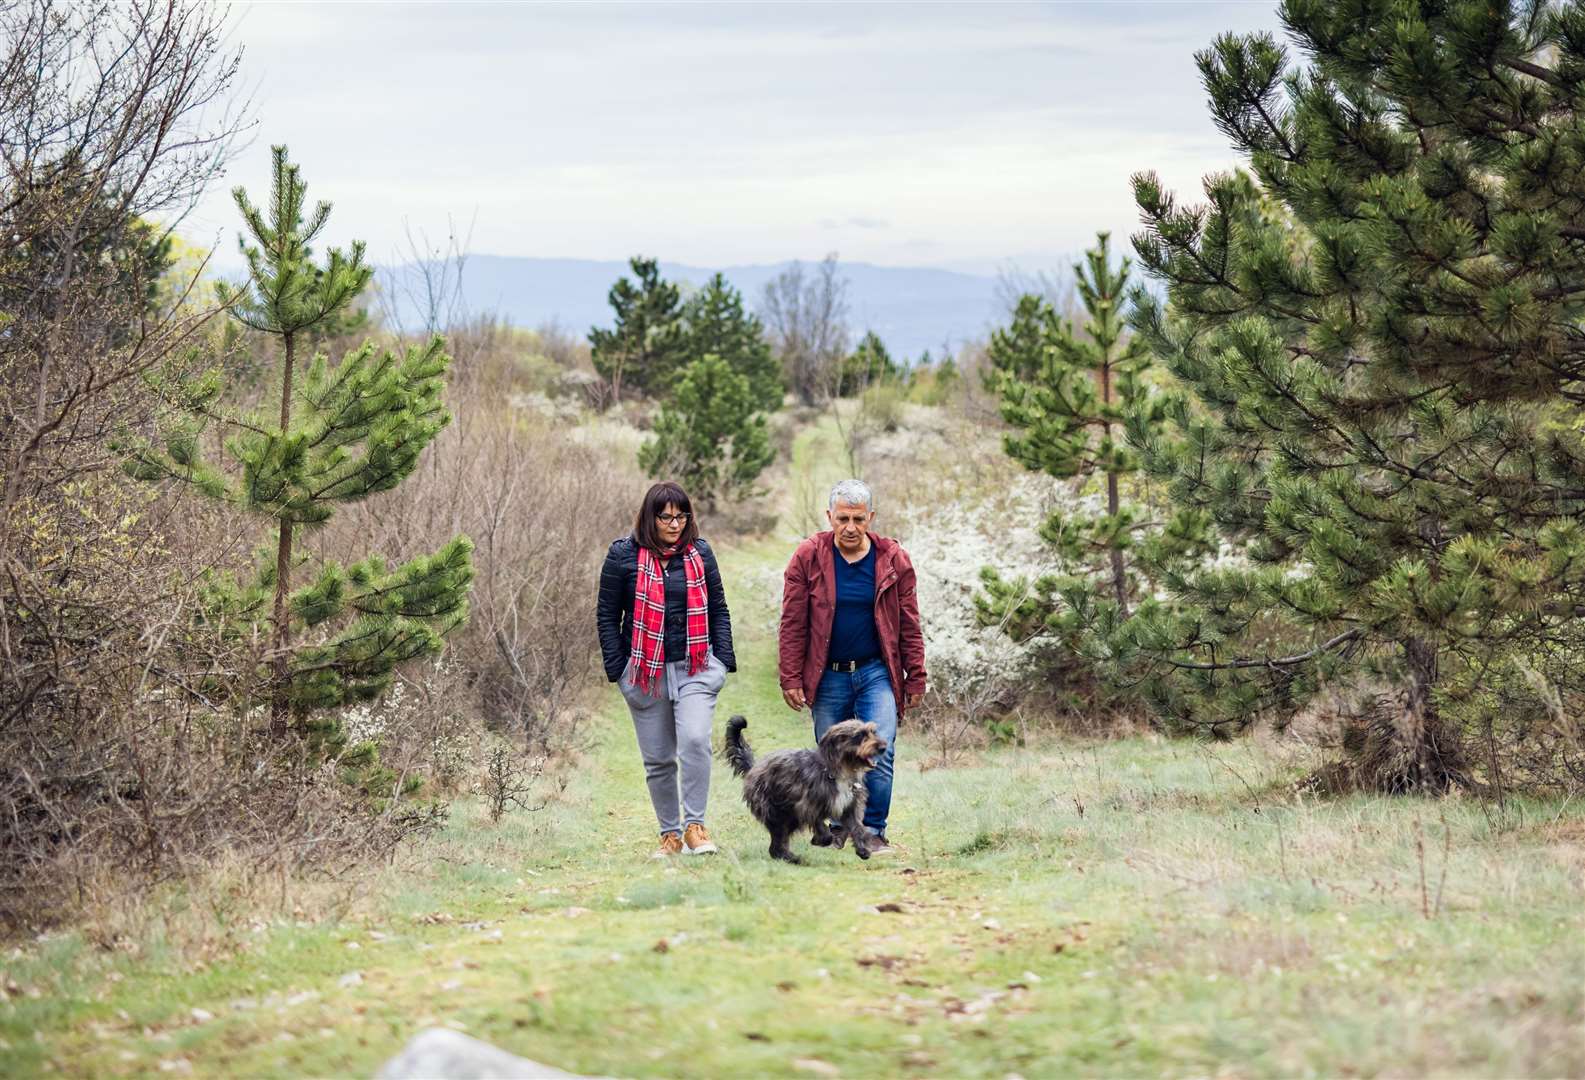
pixel 737 751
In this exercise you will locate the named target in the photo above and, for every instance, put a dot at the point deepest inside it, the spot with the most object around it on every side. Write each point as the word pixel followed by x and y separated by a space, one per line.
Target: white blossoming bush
pixel 976 509
pixel 413 728
pixel 562 409
pixel 761 582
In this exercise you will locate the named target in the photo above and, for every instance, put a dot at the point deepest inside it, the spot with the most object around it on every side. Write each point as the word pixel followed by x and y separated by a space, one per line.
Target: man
pixel 850 640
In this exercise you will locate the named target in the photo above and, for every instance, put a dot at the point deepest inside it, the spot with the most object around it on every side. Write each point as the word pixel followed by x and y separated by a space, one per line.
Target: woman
pixel 666 637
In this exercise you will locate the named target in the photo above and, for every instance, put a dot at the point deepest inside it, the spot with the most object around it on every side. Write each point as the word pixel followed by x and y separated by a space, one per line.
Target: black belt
pixel 849 666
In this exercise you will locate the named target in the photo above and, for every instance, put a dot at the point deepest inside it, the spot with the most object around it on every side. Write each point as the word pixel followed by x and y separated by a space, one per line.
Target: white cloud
pixel 726 133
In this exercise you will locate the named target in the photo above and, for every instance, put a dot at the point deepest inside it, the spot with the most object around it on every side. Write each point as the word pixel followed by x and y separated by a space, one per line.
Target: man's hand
pixel 794 698
pixel 915 699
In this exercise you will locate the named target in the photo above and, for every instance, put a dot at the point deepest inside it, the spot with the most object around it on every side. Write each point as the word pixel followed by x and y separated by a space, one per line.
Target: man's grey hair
pixel 854 493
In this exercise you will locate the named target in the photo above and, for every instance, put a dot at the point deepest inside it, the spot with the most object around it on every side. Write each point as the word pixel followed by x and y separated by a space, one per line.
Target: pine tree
pixel 870 362
pixel 1383 344
pixel 718 325
pixel 647 348
pixel 1067 393
pixel 711 435
pixel 342 432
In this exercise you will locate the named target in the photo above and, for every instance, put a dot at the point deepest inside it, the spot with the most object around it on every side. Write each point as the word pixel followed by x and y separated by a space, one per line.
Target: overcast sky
pixel 940 134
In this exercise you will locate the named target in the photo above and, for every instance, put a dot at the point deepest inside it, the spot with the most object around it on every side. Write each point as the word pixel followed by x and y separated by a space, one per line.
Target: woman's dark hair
pixel 655 500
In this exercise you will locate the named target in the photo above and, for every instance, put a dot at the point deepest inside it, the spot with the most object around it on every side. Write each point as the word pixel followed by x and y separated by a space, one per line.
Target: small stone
pixel 202 1016
pixel 991 924
pixel 350 979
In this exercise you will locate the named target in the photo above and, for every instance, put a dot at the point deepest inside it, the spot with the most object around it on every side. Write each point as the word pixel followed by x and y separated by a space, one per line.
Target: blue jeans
pixel 867 695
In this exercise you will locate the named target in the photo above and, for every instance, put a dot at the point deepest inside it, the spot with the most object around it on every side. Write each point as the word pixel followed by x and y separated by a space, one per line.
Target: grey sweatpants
pixel 674 727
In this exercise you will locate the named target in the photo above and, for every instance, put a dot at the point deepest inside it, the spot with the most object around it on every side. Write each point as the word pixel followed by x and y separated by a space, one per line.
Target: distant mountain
pixel 911 308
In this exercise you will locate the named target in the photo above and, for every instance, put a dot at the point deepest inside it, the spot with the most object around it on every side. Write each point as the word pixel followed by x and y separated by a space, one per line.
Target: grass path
pixel 1128 908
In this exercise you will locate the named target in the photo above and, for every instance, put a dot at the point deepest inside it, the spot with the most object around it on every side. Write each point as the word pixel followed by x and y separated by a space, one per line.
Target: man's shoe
pixel 696 841
pixel 670 844
pixel 879 845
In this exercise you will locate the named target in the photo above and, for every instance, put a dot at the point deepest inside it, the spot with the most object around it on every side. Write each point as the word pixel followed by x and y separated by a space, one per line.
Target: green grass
pixel 1125 908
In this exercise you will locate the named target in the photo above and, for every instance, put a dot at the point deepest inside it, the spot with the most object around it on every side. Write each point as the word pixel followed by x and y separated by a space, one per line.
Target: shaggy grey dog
pixel 793 790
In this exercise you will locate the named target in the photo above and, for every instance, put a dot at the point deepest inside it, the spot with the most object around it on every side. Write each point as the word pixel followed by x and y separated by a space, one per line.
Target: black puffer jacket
pixel 613 611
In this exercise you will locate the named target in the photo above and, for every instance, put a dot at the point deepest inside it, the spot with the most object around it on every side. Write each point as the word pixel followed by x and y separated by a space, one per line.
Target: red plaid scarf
pixel 649 617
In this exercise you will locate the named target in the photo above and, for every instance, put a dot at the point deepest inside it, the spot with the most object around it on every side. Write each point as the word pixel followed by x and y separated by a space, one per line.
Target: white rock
pixel 350 979
pixel 439 1052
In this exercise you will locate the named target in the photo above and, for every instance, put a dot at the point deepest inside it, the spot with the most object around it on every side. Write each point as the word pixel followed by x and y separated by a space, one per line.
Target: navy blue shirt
pixel 853 626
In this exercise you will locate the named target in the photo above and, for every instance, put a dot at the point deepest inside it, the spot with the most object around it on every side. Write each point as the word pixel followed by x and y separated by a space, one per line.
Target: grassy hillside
pixel 1118 908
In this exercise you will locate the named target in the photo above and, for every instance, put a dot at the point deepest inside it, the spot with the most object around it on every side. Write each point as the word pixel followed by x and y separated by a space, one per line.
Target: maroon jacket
pixel 809 604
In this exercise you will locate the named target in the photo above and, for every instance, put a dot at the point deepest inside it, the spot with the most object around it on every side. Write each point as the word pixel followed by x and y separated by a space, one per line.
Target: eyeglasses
pixel 672 519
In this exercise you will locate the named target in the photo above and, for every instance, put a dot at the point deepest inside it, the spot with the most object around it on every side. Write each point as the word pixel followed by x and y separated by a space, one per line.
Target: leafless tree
pixel 1055 286
pixel 806 317
pixel 426 285
pixel 114 117
pixel 111 114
